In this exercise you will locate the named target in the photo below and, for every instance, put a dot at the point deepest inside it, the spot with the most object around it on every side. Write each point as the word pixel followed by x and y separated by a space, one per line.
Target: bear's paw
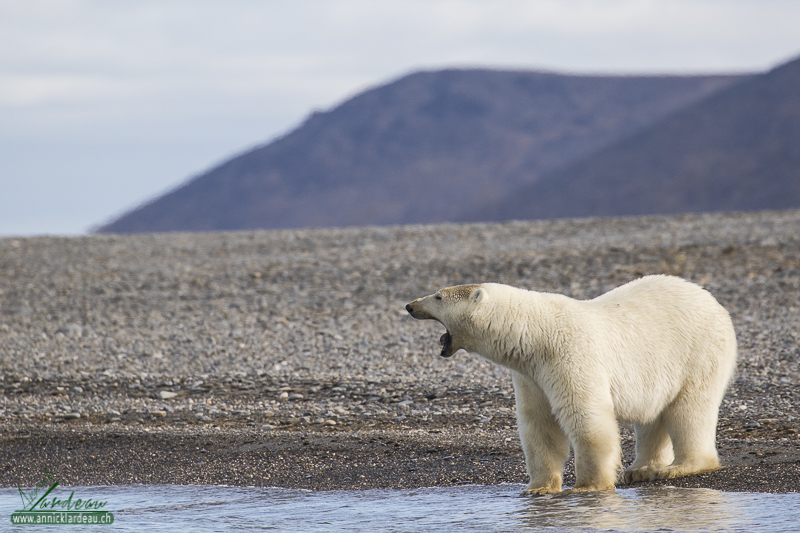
pixel 687 469
pixel 652 473
pixel 642 473
pixel 540 491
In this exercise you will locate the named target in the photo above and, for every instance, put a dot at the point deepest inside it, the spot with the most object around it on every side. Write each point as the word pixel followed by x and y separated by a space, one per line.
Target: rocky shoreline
pixel 286 358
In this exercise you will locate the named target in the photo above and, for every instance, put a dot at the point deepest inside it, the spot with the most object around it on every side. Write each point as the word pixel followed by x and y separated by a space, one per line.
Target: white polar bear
pixel 658 352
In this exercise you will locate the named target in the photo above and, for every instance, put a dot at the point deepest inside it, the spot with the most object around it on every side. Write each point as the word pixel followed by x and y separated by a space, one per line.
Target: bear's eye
pixel 438 296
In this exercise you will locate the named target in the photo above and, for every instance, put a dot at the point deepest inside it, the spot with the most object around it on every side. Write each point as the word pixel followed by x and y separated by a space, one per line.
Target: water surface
pixel 469 508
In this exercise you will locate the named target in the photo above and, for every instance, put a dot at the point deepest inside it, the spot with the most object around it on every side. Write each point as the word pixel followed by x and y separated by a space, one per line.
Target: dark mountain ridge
pixel 425 148
pixel 736 150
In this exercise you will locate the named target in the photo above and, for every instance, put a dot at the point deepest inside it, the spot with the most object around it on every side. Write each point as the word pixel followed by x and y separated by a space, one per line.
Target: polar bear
pixel 658 352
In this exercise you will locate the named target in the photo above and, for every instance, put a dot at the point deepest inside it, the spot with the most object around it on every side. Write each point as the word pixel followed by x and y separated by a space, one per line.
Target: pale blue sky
pixel 107 103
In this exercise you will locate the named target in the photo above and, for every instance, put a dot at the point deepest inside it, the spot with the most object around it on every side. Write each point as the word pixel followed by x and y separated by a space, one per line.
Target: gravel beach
pixel 286 358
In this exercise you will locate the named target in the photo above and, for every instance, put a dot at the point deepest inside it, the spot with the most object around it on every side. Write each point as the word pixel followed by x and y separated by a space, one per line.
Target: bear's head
pixel 456 309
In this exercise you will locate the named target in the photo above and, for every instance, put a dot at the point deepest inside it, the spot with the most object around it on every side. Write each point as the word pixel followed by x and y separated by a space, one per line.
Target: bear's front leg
pixel 598 454
pixel 545 444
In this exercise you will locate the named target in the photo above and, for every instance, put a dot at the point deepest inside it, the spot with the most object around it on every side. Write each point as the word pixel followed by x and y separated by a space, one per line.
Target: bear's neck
pixel 521 334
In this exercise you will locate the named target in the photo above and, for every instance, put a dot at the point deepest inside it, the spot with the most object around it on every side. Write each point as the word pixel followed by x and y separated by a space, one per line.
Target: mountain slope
pixel 737 150
pixel 420 149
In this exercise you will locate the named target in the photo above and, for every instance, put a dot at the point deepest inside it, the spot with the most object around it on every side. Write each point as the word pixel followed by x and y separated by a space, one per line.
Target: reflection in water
pixel 470 508
pixel 642 509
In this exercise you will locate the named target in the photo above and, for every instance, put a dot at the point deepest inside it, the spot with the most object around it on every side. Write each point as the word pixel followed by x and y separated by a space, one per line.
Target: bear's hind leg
pixel 653 452
pixel 692 424
pixel 545 444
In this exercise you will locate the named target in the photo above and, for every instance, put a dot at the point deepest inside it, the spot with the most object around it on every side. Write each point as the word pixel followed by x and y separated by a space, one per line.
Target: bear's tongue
pixel 444 340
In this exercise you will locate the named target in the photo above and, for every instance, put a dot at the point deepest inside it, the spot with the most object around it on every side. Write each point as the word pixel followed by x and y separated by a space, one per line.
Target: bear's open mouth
pixel 445 341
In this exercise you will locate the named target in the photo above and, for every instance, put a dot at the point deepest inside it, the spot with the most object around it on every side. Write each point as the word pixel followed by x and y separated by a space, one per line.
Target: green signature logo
pixel 40 506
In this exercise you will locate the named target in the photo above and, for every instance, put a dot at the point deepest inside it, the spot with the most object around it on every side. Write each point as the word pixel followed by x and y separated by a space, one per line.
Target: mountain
pixel 737 150
pixel 422 149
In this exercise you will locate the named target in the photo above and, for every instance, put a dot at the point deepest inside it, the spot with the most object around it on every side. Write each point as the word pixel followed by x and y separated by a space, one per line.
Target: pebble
pixel 71 330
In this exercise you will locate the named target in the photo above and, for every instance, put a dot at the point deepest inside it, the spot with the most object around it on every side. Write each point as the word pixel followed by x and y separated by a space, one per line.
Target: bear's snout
pixel 416 310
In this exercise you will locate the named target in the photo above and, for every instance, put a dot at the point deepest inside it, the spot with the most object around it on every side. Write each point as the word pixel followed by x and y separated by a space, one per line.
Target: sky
pixel 106 104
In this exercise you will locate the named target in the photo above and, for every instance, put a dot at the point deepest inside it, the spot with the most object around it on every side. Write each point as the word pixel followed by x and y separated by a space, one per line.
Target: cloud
pixel 84 51
pixel 222 76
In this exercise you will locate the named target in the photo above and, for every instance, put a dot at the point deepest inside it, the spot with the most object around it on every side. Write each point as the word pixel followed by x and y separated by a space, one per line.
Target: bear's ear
pixel 478 295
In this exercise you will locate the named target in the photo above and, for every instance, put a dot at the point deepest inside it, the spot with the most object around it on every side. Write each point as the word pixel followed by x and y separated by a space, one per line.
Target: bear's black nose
pixel 409 309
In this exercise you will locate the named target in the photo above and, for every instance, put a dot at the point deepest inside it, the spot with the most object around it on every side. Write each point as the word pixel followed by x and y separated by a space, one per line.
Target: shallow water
pixel 468 508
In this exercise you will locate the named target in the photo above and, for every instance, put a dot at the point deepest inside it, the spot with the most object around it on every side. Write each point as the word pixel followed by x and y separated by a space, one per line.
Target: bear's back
pixel 657 333
pixel 659 290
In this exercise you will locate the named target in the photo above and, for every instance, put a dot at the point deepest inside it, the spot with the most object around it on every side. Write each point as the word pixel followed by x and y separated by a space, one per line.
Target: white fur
pixel 658 352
